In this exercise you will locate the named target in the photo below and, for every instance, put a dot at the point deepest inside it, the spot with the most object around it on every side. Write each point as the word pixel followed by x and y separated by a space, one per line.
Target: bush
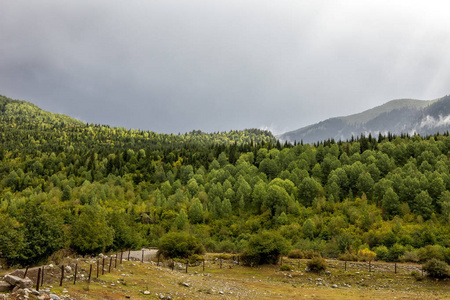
pixel 382 253
pixel 410 256
pixel 395 252
pixel 417 275
pixel 285 268
pixel 348 256
pixel 317 264
pixel 366 255
pixel 428 252
pixel 179 245
pixel 264 248
pixel 296 253
pixel 195 258
pixel 436 268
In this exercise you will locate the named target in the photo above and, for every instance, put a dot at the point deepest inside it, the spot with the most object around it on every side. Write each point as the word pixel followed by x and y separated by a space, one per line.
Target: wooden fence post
pixel 142 256
pixel 42 276
pixel 395 268
pixel 75 277
pixel 115 263
pixel 62 275
pixel 121 256
pixel 345 265
pixel 26 271
pixel 90 272
pixel 38 279
pixel 369 267
pixel 110 263
pixel 103 266
pixel 221 262
pixel 203 265
pixel 98 266
pixel 129 252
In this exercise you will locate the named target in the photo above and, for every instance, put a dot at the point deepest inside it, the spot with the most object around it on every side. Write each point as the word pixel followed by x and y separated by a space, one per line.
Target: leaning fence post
pixel 62 275
pixel 38 279
pixel 75 277
pixel 26 271
pixel 90 272
pixel 42 277
pixel 103 266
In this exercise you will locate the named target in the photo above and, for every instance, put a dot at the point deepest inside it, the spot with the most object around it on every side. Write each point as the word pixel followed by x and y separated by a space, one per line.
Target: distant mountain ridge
pixel 397 116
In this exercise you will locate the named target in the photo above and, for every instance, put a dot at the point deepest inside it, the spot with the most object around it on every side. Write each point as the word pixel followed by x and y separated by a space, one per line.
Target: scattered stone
pixel 220 292
pixel 185 284
pixel 17 281
pixel 334 286
pixel 54 297
pixel 146 292
pixel 327 272
pixel 36 293
pixel 5 286
pixel 68 268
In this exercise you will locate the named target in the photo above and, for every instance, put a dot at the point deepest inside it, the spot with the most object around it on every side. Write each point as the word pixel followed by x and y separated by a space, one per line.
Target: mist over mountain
pixel 409 116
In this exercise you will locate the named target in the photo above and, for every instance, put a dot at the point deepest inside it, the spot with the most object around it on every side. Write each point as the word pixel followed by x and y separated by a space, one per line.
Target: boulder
pixel 5 286
pixel 17 281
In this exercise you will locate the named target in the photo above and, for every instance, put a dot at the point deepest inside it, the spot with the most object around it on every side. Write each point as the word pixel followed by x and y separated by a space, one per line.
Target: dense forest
pixel 92 188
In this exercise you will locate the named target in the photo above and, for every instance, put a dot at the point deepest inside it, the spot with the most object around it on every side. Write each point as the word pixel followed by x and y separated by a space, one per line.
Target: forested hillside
pixel 93 188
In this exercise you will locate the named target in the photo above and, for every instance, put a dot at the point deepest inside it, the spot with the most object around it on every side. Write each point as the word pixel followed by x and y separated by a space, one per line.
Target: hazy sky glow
pixel 176 66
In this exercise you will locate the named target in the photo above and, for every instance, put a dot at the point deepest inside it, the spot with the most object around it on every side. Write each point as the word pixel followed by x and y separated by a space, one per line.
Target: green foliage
pixel 390 193
pixel 265 248
pixel 436 268
pixel 179 245
pixel 317 265
pixel 296 253
pixel 90 233
pixel 285 268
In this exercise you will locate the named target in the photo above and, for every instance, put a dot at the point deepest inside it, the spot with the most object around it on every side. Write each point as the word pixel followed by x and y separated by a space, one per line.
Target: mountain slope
pixel 396 116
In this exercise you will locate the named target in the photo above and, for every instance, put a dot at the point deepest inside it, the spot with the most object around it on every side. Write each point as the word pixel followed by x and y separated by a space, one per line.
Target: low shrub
pixel 179 245
pixel 296 253
pixel 264 248
pixel 285 268
pixel 317 265
pixel 348 256
pixel 194 259
pixel 366 255
pixel 417 275
pixel 410 256
pixel 436 268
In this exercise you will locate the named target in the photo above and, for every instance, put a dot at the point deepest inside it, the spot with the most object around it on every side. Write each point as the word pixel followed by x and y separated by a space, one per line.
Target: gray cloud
pixel 175 66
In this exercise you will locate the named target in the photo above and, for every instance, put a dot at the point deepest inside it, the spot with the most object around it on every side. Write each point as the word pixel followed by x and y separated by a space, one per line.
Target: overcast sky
pixel 176 66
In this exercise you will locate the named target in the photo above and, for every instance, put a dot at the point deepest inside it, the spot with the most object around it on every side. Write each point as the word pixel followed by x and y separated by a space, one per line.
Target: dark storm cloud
pixel 175 66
